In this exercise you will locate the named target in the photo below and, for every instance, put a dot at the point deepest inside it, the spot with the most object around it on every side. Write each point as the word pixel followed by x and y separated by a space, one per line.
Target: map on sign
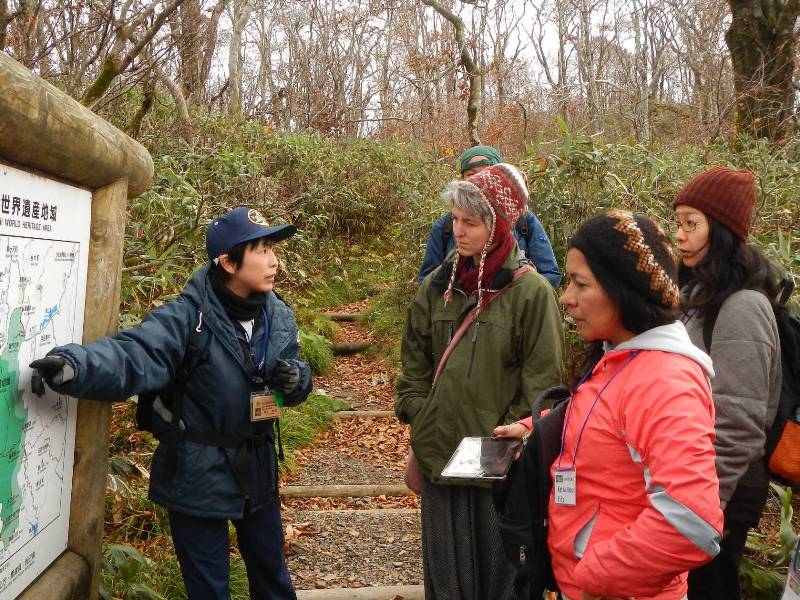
pixel 44 236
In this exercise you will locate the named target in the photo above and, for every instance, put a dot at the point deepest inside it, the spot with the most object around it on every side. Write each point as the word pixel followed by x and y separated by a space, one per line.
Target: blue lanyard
pixel 586 420
pixel 261 357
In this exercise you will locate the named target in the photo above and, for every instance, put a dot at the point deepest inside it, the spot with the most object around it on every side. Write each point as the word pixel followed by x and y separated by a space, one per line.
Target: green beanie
pixel 491 154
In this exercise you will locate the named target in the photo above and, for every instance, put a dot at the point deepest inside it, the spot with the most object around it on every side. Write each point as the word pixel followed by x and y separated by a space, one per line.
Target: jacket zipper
pixel 474 338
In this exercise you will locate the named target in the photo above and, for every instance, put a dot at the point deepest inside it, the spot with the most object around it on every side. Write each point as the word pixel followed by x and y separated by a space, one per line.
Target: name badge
pixel 565 486
pixel 263 406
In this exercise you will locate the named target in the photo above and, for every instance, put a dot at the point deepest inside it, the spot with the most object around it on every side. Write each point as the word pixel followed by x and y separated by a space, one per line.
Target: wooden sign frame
pixel 46 132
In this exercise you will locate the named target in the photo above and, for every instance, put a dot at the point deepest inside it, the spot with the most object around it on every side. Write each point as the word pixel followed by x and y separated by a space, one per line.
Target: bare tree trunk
pixel 190 22
pixel 467 61
pixel 115 64
pixel 210 43
pixel 642 71
pixel 6 18
pixel 241 14
pixel 762 42
pixel 587 67
pixel 148 97
pixel 184 120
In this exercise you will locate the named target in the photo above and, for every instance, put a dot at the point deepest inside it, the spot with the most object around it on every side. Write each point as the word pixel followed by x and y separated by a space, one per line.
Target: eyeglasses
pixel 689 225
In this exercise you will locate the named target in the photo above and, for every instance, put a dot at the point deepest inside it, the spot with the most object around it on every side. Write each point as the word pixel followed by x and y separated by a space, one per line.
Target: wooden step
pixel 344 348
pixel 363 414
pixel 341 316
pixel 383 592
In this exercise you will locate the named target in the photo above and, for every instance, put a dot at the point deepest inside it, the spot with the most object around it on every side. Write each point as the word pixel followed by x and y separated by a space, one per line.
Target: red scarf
pixel 468 270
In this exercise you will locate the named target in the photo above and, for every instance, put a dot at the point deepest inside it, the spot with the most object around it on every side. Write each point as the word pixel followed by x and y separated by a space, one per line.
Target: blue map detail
pixel 51 312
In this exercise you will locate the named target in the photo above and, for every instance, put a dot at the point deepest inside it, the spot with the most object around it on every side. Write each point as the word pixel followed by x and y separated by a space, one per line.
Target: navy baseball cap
pixel 241 225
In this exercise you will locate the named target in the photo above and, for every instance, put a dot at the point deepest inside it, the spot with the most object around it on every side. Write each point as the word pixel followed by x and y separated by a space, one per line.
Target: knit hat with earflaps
pixel 632 251
pixel 725 194
pixel 505 190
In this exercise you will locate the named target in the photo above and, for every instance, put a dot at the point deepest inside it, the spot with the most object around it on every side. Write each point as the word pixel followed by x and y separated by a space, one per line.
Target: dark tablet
pixel 481 458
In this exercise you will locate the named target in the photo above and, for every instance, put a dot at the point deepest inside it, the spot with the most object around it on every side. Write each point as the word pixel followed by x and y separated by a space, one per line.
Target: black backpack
pixel 782 446
pixel 521 227
pixel 521 500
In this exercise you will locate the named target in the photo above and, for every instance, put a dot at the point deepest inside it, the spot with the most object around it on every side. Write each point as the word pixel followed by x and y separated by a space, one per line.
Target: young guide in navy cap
pixel 217 365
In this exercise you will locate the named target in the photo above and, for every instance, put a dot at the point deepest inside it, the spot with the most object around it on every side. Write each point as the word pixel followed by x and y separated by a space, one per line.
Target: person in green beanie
pixel 477 158
pixel 531 237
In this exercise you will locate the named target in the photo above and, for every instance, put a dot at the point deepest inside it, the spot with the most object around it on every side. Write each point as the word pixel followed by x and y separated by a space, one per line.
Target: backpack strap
pixel 196 351
pixel 470 319
pixel 447 231
pixel 786 288
pixel 522 227
pixel 709 322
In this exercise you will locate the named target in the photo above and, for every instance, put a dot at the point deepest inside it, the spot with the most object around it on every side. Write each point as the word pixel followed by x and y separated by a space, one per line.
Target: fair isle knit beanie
pixel 632 251
pixel 727 195
pixel 504 188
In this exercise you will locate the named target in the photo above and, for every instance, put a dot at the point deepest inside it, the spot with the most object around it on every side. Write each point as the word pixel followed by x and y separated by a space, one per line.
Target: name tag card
pixel 565 484
pixel 263 406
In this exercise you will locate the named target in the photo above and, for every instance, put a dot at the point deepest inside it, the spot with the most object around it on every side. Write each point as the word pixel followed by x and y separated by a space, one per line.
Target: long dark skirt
pixel 462 552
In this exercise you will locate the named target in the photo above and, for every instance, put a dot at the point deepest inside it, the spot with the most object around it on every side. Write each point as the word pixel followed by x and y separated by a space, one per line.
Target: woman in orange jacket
pixel 637 503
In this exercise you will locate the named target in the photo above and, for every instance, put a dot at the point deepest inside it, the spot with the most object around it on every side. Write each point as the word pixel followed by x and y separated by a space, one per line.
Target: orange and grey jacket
pixel 647 503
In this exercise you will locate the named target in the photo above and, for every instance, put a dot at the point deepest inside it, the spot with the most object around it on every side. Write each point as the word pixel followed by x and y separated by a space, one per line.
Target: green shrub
pixel 121 570
pixel 339 194
pixel 316 351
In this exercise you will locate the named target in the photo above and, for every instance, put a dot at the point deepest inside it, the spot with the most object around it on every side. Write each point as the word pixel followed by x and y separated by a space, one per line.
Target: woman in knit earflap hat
pixel 728 289
pixel 456 383
pixel 502 197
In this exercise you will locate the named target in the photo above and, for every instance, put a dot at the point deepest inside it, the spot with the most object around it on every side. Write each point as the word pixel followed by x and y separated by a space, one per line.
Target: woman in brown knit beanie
pixel 727 291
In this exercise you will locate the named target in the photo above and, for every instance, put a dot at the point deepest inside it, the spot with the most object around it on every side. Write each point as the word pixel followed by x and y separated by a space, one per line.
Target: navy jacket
pixel 539 251
pixel 217 396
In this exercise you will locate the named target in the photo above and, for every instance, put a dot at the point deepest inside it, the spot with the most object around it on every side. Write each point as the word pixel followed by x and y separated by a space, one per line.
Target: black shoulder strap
pixel 447 231
pixel 522 227
pixel 195 352
pixel 197 348
pixel 709 322
pixel 786 286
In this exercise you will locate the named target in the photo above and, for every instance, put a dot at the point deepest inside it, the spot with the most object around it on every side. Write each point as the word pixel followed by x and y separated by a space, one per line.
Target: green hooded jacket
pixel 504 361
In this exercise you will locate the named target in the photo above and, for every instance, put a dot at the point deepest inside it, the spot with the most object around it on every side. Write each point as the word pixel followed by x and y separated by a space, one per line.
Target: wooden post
pixel 94 418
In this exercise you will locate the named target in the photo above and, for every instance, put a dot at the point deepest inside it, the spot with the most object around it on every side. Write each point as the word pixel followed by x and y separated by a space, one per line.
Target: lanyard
pixel 586 420
pixel 260 357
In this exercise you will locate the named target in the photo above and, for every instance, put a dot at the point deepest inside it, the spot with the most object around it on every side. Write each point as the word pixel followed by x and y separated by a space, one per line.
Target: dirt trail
pixel 356 541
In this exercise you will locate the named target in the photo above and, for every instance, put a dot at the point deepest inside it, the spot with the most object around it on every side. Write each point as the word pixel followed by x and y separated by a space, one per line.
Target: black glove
pixel 55 370
pixel 285 376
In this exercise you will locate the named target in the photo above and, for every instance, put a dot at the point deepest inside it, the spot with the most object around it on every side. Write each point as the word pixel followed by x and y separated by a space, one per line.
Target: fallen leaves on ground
pixel 292 532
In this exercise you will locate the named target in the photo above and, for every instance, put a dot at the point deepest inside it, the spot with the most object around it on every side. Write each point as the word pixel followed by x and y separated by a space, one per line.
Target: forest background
pixel 346 117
